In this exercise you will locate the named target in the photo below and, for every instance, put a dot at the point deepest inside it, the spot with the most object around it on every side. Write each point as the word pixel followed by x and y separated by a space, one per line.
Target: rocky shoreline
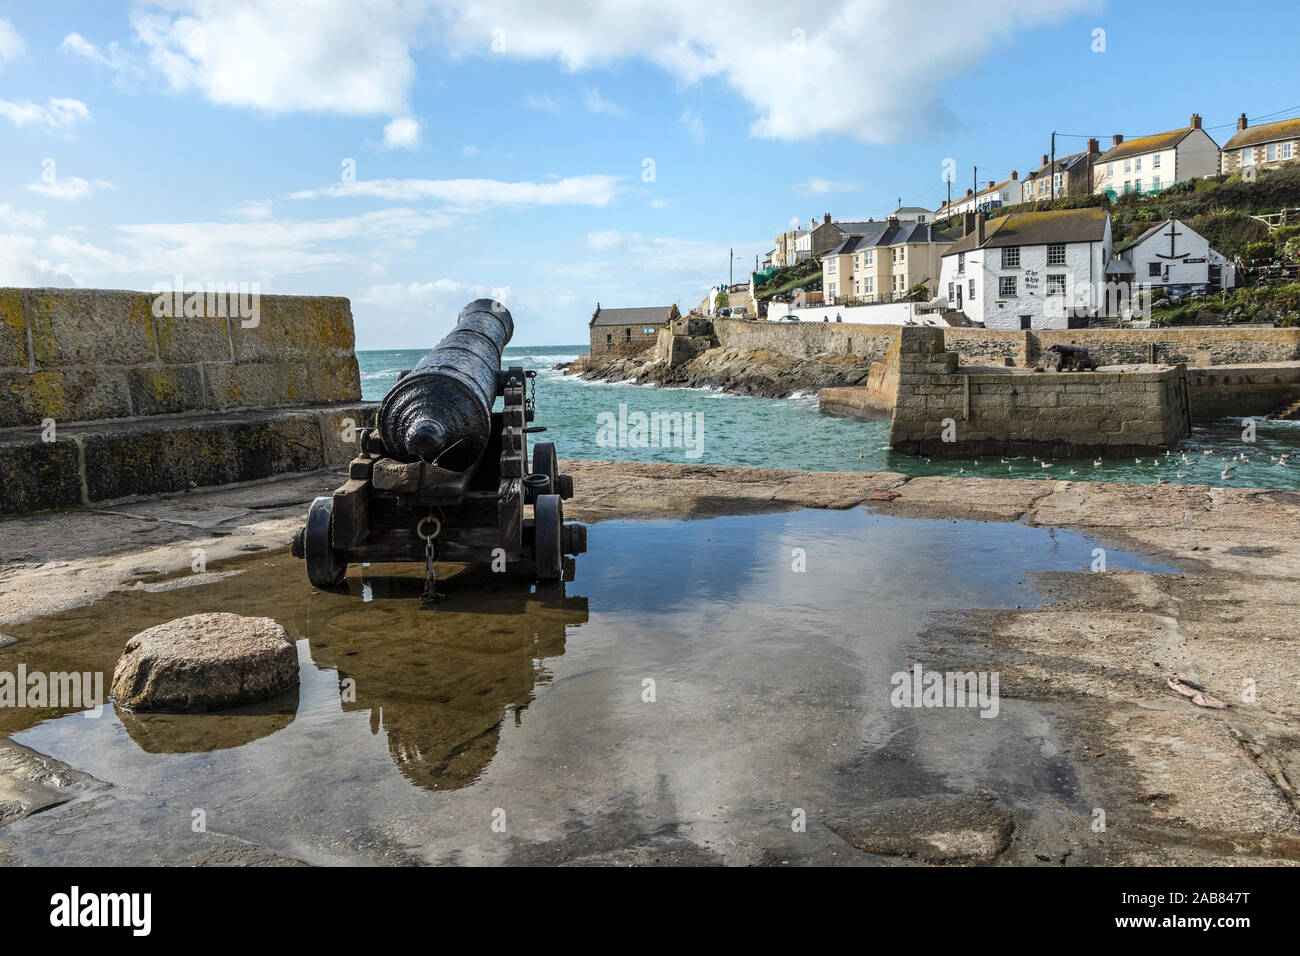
pixel 760 373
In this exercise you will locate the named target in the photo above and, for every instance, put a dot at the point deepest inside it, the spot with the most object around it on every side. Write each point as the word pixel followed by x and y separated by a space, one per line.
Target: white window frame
pixel 1155 161
pixel 1052 249
pixel 1055 284
pixel 1270 153
pixel 1286 151
pixel 1248 156
pixel 832 265
pixel 1003 282
pixel 1011 257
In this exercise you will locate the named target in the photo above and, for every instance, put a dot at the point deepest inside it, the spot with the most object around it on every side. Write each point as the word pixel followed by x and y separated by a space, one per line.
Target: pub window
pixel 1011 257
pixel 1006 286
pixel 1056 253
pixel 1056 285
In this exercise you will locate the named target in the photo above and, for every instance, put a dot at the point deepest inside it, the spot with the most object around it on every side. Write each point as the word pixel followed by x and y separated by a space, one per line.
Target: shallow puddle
pixel 684 698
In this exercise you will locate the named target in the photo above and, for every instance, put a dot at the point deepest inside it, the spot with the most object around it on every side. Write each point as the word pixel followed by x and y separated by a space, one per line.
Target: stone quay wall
pixel 941 411
pixel 102 397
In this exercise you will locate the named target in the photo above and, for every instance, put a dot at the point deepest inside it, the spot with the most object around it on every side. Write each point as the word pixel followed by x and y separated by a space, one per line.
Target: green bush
pixel 1259 250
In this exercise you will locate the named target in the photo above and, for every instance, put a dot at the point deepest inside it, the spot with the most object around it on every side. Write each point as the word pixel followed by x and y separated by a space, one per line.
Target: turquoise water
pixel 791 432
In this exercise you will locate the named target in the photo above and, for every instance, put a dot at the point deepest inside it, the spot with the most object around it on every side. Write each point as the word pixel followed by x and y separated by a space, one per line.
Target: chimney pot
pixel 892 222
pixel 1094 146
pixel 1116 140
pixel 1196 121
pixel 826 218
pixel 1044 162
pixel 1014 174
pixel 1241 122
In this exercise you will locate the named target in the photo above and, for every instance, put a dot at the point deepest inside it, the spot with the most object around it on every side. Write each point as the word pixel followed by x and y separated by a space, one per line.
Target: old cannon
pixel 1073 358
pixel 443 476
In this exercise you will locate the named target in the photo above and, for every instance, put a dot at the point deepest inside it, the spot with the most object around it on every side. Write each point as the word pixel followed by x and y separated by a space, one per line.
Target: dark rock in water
pixel 762 374
pixel 205 662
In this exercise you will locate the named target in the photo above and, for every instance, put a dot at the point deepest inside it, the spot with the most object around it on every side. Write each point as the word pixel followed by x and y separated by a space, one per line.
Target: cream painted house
pixel 992 196
pixel 882 265
pixel 1148 164
pixel 1263 147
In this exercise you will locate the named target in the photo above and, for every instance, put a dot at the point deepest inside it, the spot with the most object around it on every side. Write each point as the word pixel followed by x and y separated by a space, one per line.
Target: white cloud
pixel 402 132
pixel 694 126
pixel 67 188
pixel 11 44
pixel 540 101
pixel 605 239
pixel 253 209
pixel 283 55
pixel 11 218
pixel 816 186
pixel 802 67
pixel 596 103
pixel 593 190
pixel 115 59
pixel 60 114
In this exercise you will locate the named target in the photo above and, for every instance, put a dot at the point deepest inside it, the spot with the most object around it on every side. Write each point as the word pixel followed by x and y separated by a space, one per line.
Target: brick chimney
pixel 1116 140
pixel 992 184
pixel 1094 146
pixel 1196 121
pixel 826 218
pixel 1044 162
pixel 1015 175
pixel 891 222
pixel 1241 122
pixel 970 192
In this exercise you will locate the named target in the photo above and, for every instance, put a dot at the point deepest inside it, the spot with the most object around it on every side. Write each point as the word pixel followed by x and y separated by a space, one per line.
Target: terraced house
pixel 1148 164
pixel 1266 146
pixel 1070 175
pixel 881 265
pixel 1036 270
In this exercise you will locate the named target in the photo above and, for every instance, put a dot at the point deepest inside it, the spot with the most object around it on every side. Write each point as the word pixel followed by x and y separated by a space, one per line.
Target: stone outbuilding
pixel 618 333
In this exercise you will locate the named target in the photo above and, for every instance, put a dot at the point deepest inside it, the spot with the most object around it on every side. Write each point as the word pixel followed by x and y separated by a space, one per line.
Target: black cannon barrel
pixel 442 409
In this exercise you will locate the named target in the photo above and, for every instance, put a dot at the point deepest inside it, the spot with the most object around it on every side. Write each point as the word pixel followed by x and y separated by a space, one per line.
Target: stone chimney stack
pixel 1116 140
pixel 891 222
pixel 967 223
pixel 1044 162
pixel 979 229
pixel 1094 146
pixel 1241 122
pixel 970 192
pixel 1196 121
pixel 826 218
pixel 992 184
pixel 1015 175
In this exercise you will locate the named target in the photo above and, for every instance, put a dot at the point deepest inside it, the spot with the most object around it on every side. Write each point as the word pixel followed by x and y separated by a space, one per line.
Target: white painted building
pixel 993 196
pixel 1151 163
pixel 1174 254
pixel 1037 270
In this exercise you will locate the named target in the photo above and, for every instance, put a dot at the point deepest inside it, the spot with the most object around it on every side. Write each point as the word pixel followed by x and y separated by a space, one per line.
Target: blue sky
pixel 500 147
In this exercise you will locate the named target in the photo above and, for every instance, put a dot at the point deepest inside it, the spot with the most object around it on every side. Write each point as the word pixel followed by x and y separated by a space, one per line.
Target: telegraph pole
pixel 731 267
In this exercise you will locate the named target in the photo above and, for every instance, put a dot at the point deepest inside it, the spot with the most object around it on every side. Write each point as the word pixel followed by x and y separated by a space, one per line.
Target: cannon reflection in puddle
pixel 443 476
pixel 440 694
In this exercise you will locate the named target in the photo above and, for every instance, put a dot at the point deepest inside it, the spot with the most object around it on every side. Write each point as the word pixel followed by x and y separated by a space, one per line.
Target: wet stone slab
pixel 711 691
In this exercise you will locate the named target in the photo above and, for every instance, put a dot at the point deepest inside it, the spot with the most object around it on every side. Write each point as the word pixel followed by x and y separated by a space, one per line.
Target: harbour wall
pixel 106 394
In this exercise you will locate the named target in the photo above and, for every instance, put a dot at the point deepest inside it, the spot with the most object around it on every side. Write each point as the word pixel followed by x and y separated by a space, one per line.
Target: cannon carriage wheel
pixel 548 536
pixel 546 462
pixel 326 566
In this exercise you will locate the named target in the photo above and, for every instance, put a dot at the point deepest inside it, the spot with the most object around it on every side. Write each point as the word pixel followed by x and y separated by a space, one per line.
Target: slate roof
pixel 986 191
pixel 1037 228
pixel 904 232
pixel 645 315
pixel 1146 144
pixel 1265 133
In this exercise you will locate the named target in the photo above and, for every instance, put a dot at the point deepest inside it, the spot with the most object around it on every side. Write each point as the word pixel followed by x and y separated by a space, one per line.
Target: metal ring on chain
pixel 437 527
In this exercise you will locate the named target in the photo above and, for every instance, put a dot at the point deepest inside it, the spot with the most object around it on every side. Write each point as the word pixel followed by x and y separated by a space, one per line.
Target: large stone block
pixel 66 395
pixel 316 326
pixel 160 390
pixel 36 475
pixel 179 454
pixel 90 327
pixel 184 340
pixel 13 330
pixel 339 427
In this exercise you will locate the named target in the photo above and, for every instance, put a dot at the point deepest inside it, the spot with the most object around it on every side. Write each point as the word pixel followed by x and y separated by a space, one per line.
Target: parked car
pixel 724 313
pixel 788 318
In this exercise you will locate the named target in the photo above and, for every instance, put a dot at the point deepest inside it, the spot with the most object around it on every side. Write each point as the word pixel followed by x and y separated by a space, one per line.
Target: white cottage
pixel 1149 164
pixel 1036 270
pixel 1173 254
